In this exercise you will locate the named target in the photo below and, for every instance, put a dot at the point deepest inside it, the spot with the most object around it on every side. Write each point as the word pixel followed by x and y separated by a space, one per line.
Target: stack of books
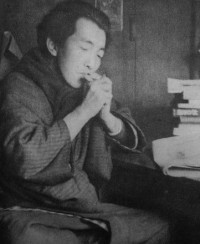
pixel 188 108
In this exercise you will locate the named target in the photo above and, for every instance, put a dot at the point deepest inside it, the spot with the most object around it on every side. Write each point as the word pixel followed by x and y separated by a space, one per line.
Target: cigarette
pixel 92 77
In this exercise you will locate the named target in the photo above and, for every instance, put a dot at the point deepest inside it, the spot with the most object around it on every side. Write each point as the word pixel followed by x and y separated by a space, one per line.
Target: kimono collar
pixel 45 73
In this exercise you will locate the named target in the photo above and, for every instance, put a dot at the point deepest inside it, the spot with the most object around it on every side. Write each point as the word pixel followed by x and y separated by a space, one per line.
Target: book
pixel 194 102
pixel 185 112
pixel 191 92
pixel 177 85
pixel 178 131
pixel 188 126
pixel 189 119
pixel 189 105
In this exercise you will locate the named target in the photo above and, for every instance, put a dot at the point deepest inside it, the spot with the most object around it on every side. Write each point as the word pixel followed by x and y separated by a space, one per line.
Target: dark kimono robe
pixel 53 181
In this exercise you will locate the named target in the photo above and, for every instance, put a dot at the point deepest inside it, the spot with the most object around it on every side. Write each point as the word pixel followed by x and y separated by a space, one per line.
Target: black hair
pixel 60 22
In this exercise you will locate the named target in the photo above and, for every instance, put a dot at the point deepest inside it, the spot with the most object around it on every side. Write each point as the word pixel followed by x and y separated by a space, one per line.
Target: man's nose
pixel 91 62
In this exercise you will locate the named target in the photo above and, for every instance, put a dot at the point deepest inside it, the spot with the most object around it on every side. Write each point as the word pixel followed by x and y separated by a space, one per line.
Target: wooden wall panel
pixel 163 48
pixel 195 72
pixel 120 60
pixel 2 19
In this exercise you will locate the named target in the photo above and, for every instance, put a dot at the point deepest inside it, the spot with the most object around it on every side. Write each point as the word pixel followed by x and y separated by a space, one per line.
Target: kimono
pixel 51 184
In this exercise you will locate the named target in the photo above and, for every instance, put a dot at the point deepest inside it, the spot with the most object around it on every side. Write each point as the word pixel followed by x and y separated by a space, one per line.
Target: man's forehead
pixel 89 32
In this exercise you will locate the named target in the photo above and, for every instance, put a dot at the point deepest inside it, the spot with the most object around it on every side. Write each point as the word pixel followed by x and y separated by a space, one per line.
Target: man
pixel 58 123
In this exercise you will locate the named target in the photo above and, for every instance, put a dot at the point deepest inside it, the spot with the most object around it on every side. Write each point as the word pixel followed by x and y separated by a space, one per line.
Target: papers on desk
pixel 178 155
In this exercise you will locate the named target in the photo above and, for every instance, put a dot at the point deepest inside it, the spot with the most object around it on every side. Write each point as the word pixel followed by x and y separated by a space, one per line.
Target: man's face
pixel 82 52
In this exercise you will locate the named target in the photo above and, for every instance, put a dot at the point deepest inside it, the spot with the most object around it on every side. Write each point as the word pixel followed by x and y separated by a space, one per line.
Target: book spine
pixel 189 126
pixel 188 105
pixel 191 92
pixel 176 85
pixel 189 119
pixel 185 112
pixel 183 131
pixel 194 102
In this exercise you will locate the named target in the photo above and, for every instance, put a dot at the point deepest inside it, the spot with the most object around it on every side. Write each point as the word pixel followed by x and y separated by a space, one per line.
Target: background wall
pixel 2 19
pixel 163 44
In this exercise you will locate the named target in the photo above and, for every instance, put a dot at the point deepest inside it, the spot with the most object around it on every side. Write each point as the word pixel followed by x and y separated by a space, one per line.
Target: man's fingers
pixel 92 77
pixel 102 84
pixel 105 97
pixel 97 78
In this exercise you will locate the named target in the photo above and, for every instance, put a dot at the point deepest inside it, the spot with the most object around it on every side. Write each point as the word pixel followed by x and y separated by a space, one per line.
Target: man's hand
pixel 99 96
pixel 97 101
pixel 105 110
pixel 102 92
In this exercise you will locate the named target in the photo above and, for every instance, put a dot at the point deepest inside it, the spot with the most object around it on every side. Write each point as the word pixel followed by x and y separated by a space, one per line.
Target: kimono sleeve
pixel 30 138
pixel 139 140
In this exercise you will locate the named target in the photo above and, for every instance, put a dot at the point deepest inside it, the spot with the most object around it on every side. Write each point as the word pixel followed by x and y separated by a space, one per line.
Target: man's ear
pixel 51 47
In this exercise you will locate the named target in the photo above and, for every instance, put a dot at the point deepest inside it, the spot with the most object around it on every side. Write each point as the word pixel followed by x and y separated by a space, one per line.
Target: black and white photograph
pixel 100 121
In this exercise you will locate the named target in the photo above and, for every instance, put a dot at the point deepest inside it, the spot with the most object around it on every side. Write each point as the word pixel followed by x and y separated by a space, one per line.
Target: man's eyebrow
pixel 91 43
pixel 102 49
pixel 86 41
